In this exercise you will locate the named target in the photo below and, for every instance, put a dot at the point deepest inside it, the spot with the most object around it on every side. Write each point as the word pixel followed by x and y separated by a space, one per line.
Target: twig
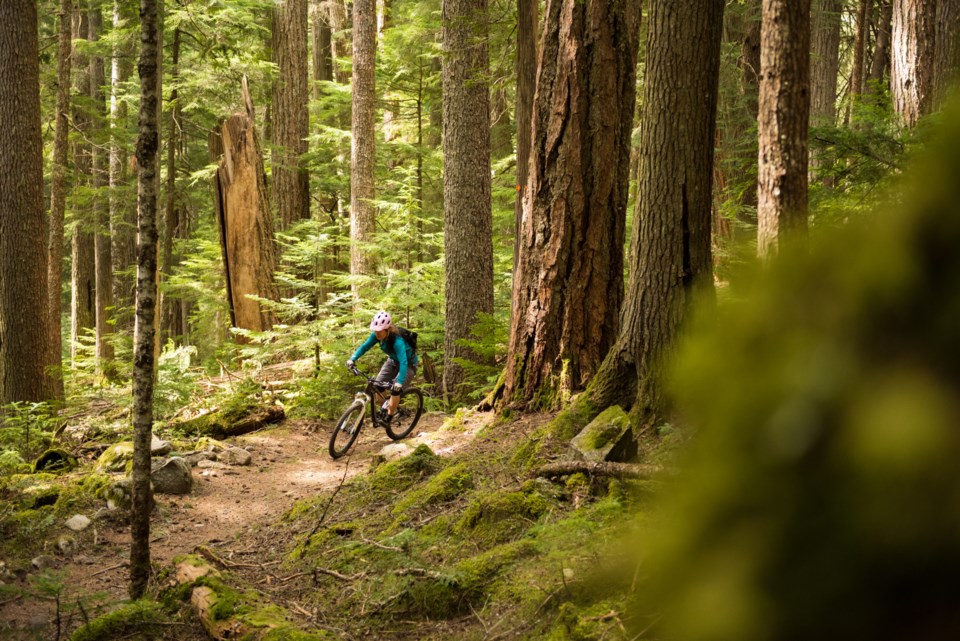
pixel 296 606
pixel 112 567
pixel 605 468
pixel 323 516
pixel 381 545
pixel 16 598
pixel 337 575
pixel 419 572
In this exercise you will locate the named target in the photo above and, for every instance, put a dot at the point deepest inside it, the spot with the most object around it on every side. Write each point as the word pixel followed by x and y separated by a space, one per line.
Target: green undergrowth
pixel 143 619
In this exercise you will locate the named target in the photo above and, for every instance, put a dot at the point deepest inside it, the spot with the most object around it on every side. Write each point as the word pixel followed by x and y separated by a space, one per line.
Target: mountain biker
pixel 401 364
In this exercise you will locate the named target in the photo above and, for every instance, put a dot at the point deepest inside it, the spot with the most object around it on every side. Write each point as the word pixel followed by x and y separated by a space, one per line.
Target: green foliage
pixel 490 337
pixel 27 428
pixel 141 617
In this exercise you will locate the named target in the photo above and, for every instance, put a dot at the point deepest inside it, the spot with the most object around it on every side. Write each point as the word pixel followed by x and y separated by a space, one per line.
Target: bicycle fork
pixel 363 399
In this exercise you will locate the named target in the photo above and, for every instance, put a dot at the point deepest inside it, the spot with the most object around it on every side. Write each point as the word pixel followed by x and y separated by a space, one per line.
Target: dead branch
pixel 605 469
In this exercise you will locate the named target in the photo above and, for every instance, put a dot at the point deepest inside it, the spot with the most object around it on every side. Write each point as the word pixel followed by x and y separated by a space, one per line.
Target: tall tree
pixel 172 308
pixel 83 300
pixel 861 44
pixel 670 257
pixel 291 188
pixel 467 210
pixel 880 61
pixel 526 83
pixel 23 228
pixel 103 261
pixel 568 284
pixel 363 146
pixel 144 364
pixel 58 197
pixel 824 67
pixel 945 55
pixel 914 35
pixel 783 122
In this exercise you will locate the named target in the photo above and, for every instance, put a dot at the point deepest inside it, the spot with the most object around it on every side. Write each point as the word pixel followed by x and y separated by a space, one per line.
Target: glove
pixel 397 388
pixel 350 364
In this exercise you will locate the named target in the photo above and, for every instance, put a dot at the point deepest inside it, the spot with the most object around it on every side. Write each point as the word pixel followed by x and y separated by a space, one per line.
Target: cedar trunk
pixel 144 363
pixel 783 123
pixel 860 45
pixel 946 52
pixel 824 67
pixel 467 213
pixel 291 188
pixel 880 62
pixel 363 147
pixel 569 280
pixel 58 199
pixel 912 62
pixel 670 256
pixel 172 326
pixel 526 84
pixel 23 227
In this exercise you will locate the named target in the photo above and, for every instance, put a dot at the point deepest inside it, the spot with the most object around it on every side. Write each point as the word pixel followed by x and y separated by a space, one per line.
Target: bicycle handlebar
pixel 356 371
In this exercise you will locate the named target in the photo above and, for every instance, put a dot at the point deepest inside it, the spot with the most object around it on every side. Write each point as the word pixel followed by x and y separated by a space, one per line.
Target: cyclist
pixel 401 364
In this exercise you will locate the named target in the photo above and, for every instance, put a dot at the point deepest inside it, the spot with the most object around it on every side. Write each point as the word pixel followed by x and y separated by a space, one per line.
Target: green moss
pixel 445 486
pixel 399 475
pixel 494 517
pixel 116 457
pixel 136 617
pixel 55 460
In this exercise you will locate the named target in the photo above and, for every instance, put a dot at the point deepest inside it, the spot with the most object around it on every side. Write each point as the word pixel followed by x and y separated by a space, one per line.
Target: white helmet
pixel 381 321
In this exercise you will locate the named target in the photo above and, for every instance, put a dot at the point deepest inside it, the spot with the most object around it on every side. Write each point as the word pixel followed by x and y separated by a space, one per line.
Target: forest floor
pixel 229 512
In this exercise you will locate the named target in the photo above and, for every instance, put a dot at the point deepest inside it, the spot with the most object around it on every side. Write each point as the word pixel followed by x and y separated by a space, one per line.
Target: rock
pixel 194 458
pixel 37 622
pixel 213 465
pixel 119 496
pixel 6 574
pixel 159 447
pixel 171 476
pixel 66 545
pixel 116 457
pixel 55 461
pixel 394 451
pixel 236 456
pixel 78 523
pixel 607 438
pixel 42 562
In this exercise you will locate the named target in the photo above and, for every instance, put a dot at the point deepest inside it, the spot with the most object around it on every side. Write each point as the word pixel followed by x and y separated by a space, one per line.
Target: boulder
pixel 236 456
pixel 55 460
pixel 78 523
pixel 608 437
pixel 171 476
pixel 159 447
pixel 115 457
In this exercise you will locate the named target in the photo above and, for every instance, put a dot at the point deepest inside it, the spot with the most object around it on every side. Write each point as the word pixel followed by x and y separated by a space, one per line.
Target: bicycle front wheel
pixel 407 414
pixel 347 430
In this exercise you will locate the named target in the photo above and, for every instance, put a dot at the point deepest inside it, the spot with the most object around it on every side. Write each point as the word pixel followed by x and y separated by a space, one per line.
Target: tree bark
pixel 467 211
pixel 783 123
pixel 291 188
pixel 946 51
pixel 58 199
pixel 144 364
pixel 880 62
pixel 24 309
pixel 912 74
pixel 824 67
pixel 172 308
pixel 103 261
pixel 363 147
pixel 861 43
pixel 670 256
pixel 569 281
pixel 526 84
pixel 246 226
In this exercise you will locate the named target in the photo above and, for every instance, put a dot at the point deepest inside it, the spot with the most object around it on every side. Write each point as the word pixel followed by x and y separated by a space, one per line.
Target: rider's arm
pixel 364 347
pixel 400 347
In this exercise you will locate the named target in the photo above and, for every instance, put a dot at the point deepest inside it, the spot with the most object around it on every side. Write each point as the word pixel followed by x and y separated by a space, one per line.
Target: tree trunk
pixel 880 62
pixel 83 263
pixel 912 64
pixel 526 84
pixel 123 215
pixel 783 123
pixel 467 212
pixel 144 364
pixel 322 52
pixel 246 226
pixel 24 310
pixel 946 51
pixel 291 188
pixel 363 147
pixel 58 199
pixel 860 45
pixel 172 308
pixel 670 256
pixel 569 281
pixel 103 261
pixel 824 67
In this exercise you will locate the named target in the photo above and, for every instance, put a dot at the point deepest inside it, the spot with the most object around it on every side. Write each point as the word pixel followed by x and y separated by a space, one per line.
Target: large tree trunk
pixel 526 84
pixel 83 263
pixel 861 43
pixel 103 261
pixel 912 72
pixel 945 54
pixel 144 363
pixel 569 281
pixel 58 199
pixel 880 62
pixel 824 67
pixel 23 227
pixel 783 123
pixel 123 214
pixel 670 256
pixel 172 326
pixel 291 188
pixel 246 226
pixel 467 213
pixel 363 147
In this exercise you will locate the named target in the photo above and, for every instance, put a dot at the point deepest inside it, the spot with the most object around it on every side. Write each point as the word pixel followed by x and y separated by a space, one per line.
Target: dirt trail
pixel 290 462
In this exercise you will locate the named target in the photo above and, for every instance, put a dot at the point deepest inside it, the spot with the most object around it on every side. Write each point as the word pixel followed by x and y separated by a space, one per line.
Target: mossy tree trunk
pixel 144 365
pixel 363 147
pixel 569 279
pixel 670 256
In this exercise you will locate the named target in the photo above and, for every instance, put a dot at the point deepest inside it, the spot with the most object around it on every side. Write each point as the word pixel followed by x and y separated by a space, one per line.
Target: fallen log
pixel 222 425
pixel 604 468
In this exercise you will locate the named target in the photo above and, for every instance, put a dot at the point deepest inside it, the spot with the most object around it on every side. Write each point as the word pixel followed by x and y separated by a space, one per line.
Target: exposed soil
pixel 226 506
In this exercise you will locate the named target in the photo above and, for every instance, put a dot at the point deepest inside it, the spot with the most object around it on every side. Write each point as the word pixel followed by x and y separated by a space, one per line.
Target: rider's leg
pixel 395 399
pixel 387 373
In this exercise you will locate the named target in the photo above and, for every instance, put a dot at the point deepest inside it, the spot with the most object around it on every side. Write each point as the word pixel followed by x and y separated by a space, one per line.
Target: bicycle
pixel 403 421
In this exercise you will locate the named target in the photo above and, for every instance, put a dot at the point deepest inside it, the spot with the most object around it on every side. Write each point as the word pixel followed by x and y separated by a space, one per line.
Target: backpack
pixel 409 337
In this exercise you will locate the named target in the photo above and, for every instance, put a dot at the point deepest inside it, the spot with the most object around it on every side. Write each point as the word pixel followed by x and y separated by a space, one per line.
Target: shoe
pixel 383 415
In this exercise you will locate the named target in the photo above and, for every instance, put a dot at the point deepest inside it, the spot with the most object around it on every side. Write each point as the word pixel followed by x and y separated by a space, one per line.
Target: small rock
pixel 211 465
pixel 78 523
pixel 42 562
pixel 66 545
pixel 159 447
pixel 171 476
pixel 37 622
pixel 236 456
pixel 395 450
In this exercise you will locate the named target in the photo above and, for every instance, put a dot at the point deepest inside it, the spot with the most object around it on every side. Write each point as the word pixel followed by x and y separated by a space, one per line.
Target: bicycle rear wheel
pixel 407 414
pixel 347 430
